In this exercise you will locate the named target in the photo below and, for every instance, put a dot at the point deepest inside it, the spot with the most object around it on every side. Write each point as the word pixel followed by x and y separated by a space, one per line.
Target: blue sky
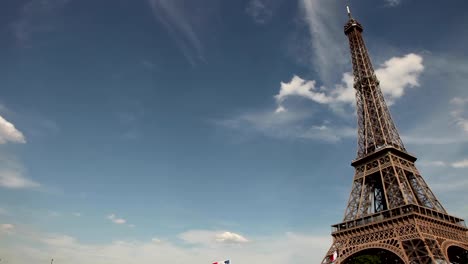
pixel 148 131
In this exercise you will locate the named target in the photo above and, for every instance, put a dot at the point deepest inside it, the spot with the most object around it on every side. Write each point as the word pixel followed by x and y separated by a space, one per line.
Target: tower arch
pixel 385 252
pixel 455 252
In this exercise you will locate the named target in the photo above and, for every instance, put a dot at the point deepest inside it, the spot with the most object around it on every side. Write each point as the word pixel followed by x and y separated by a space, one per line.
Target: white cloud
pixel 212 238
pixel 54 214
pixel 59 241
pixel 77 214
pixel 395 75
pixel 9 133
pixel 393 2
pixel 14 179
pixel 399 73
pixel 460 164
pixel 156 240
pixel 260 11
pixel 116 220
pixel 279 249
pixel 435 163
pixel 12 174
pixel 300 87
pixel 4 211
pixel 287 123
pixel 7 227
pixel 460 113
pixel 229 237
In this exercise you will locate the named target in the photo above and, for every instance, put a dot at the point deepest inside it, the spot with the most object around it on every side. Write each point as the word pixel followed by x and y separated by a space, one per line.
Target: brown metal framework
pixel 390 206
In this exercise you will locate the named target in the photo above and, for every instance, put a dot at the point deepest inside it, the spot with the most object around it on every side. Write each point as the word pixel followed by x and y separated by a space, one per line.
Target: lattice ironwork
pixel 390 205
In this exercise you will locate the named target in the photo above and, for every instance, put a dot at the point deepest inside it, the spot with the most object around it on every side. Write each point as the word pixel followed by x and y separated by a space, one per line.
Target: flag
pixel 334 256
pixel 222 262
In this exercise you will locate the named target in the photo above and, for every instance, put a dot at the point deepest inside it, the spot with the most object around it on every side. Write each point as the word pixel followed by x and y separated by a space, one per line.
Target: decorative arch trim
pixel 446 244
pixel 395 250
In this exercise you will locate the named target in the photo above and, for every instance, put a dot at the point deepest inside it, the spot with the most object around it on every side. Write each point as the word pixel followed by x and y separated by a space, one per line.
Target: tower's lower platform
pixel 413 233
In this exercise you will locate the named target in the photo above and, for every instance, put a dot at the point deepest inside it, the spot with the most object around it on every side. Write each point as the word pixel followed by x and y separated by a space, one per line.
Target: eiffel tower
pixel 392 213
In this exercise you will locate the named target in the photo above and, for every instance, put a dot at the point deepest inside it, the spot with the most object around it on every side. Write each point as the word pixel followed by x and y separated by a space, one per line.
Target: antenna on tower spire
pixel 349 10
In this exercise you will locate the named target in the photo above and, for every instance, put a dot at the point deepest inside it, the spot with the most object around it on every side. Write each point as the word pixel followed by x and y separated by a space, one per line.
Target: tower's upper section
pixel 376 129
pixel 352 23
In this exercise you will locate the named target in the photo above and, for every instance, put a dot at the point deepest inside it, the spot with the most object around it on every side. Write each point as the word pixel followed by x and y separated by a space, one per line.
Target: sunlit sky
pixel 181 131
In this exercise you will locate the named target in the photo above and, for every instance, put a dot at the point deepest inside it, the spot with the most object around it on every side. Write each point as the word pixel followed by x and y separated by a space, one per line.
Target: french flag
pixel 222 262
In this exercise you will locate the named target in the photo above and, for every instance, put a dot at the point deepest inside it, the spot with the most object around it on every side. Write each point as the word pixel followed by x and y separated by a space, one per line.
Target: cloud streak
pixel 460 113
pixel 9 133
pixel 114 219
pixel 14 180
pixel 260 11
pixel 392 3
pixel 36 17
pixel 289 124
pixel 460 164
pixel 12 176
pixel 326 37
pixel 175 18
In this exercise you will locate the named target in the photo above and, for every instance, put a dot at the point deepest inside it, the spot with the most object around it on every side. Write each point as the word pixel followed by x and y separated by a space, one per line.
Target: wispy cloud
pixel 329 54
pixel 12 174
pixel 175 16
pixel 453 183
pixel 114 219
pixel 432 163
pixel 291 124
pixel 433 140
pixel 130 119
pixel 9 133
pixel 392 3
pixel 54 214
pixel 12 179
pixel 4 211
pixel 156 240
pixel 460 164
pixel 7 228
pixel 36 17
pixel 460 113
pixel 260 10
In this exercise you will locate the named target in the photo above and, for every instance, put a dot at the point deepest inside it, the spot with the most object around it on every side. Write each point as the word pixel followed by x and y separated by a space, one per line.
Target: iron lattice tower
pixel 390 207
